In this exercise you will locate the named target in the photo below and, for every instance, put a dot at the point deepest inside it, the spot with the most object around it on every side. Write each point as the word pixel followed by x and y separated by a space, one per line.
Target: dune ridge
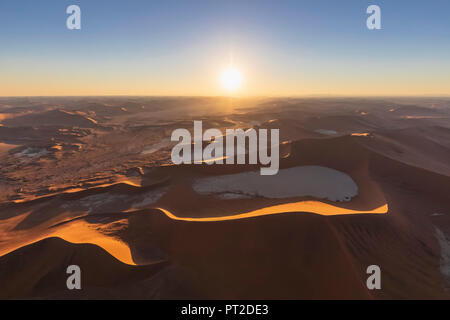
pixel 315 207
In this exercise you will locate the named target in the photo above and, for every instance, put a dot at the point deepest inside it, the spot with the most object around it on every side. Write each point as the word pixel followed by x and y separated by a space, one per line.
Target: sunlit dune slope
pixel 78 231
pixel 301 206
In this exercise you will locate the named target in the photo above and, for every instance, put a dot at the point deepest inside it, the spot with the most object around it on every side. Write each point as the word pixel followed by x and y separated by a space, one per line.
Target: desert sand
pixel 89 181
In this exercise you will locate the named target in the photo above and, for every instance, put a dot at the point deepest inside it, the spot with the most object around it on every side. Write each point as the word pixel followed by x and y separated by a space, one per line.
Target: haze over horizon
pixel 180 48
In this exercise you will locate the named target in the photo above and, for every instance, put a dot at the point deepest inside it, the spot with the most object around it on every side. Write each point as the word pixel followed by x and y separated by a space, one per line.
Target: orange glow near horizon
pixel 206 76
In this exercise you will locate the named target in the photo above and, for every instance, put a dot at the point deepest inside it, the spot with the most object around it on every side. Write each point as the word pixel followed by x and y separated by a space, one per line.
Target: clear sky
pixel 180 47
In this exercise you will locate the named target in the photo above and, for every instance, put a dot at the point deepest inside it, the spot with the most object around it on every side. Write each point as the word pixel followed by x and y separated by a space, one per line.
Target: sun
pixel 231 79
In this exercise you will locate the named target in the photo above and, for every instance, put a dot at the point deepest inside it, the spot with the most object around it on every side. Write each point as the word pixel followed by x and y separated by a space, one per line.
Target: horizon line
pixel 233 97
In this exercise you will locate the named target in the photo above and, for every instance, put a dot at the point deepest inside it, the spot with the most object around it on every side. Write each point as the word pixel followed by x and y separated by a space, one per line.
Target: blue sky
pixel 180 47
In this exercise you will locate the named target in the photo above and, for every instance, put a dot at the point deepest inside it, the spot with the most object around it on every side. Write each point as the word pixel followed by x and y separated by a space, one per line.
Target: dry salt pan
pixel 326 132
pixel 315 181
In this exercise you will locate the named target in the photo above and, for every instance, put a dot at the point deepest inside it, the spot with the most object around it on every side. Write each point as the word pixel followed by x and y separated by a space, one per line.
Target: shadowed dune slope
pixel 38 270
pixel 50 118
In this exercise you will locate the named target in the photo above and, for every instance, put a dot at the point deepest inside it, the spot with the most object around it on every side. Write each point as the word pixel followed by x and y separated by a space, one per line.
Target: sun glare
pixel 231 79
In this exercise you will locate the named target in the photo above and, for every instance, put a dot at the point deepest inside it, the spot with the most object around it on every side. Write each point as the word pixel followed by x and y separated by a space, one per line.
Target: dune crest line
pixel 315 207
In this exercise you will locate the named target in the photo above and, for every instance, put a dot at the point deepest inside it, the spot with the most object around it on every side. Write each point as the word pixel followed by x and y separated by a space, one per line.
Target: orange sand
pixel 301 206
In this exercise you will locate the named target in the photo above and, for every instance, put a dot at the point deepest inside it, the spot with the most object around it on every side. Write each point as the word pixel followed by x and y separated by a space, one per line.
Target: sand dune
pixel 301 206
pixel 75 232
pixel 142 228
pixel 58 118
pixel 43 271
pixel 4 148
